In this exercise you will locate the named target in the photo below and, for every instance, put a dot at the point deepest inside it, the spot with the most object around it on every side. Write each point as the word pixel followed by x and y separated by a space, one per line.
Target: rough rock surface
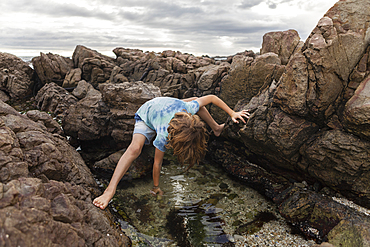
pixel 15 76
pixel 46 190
pixel 51 67
pixel 54 99
pixel 246 78
pixel 282 43
pixel 96 68
pixel 109 112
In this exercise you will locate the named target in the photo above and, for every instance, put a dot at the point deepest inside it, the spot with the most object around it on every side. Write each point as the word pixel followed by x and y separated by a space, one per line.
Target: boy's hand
pixel 240 115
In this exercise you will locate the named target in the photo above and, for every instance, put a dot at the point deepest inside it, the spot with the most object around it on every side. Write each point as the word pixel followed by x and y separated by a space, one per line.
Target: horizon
pixel 198 27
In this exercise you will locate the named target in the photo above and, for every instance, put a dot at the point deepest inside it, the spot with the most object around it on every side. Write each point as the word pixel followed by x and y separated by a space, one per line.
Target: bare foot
pixel 218 131
pixel 103 200
pixel 156 191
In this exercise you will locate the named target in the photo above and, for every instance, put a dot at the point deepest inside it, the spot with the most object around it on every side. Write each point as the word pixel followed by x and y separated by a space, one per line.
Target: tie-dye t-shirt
pixel 158 112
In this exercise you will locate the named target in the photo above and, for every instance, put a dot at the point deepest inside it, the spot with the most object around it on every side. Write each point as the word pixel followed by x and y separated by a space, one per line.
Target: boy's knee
pixel 134 150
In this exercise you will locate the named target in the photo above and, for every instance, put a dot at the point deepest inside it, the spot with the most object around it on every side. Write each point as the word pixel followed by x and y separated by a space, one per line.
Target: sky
pixel 198 27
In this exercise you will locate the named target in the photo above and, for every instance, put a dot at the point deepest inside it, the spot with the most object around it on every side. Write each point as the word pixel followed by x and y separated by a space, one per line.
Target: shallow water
pixel 202 207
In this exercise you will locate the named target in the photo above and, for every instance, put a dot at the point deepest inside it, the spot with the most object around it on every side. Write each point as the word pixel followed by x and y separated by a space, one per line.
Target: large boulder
pixel 51 68
pixel 247 76
pixel 318 75
pixel 282 43
pixel 15 77
pixel 46 190
pixel 108 113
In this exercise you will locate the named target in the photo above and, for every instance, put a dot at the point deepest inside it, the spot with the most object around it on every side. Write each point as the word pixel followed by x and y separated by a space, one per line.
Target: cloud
pixel 193 26
pixel 247 4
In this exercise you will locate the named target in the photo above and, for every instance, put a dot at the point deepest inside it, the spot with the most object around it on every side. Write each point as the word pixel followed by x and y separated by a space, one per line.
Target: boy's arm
pixel 205 100
pixel 158 159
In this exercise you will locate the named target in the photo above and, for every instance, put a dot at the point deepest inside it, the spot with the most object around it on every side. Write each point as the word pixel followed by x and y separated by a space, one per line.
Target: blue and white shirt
pixel 158 112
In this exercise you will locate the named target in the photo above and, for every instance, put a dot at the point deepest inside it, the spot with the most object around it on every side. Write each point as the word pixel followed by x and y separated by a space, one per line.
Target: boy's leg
pixel 131 153
pixel 204 114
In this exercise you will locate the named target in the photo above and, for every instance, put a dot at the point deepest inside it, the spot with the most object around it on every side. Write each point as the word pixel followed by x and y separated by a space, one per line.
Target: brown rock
pixel 96 68
pixel 15 77
pixel 246 78
pixel 55 99
pixel 72 78
pixel 282 43
pixel 357 111
pixel 337 158
pixel 42 117
pixel 52 67
pixel 41 211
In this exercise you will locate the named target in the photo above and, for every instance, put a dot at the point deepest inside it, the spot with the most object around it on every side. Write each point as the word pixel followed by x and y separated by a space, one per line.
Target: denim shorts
pixel 142 128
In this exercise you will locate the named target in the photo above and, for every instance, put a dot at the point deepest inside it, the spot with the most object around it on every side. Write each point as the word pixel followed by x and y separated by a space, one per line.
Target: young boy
pixel 174 125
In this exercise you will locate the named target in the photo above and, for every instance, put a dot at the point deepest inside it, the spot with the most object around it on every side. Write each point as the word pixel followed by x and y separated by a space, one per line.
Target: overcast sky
pixel 199 27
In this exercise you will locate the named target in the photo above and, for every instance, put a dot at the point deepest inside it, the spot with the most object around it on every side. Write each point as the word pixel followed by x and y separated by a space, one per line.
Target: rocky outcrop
pixel 46 189
pixel 54 99
pixel 15 77
pixel 108 112
pixel 284 44
pixel 247 76
pixel 96 68
pixel 51 68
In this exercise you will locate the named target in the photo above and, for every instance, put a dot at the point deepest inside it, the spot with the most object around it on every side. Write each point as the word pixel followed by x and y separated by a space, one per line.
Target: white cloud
pixel 211 27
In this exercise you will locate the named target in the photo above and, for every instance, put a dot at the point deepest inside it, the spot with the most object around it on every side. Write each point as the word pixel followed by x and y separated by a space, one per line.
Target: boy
pixel 175 125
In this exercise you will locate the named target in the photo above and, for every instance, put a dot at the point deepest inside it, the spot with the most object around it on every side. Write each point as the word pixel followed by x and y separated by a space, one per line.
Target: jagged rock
pixel 46 189
pixel 282 43
pixel 96 68
pixel 51 67
pixel 109 113
pixel 83 90
pixel 313 84
pixel 55 99
pixel 357 111
pixel 337 159
pixel 15 77
pixel 87 119
pixel 42 117
pixel 211 76
pixel 72 78
pixel 246 78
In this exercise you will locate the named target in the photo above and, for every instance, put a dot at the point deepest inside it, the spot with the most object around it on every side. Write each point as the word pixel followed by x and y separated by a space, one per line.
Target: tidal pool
pixel 201 207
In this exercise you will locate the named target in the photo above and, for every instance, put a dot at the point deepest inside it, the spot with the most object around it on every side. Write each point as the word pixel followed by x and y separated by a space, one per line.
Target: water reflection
pixel 203 207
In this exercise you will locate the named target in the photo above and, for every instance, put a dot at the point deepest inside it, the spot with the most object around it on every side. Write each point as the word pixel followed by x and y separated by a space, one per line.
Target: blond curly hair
pixel 187 137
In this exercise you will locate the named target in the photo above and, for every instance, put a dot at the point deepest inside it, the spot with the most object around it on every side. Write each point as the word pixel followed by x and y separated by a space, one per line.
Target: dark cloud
pixel 247 4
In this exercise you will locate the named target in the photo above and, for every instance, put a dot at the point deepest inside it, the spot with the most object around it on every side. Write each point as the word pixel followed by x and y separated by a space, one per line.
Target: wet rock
pixel 51 68
pixel 256 224
pixel 55 99
pixel 15 77
pixel 321 218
